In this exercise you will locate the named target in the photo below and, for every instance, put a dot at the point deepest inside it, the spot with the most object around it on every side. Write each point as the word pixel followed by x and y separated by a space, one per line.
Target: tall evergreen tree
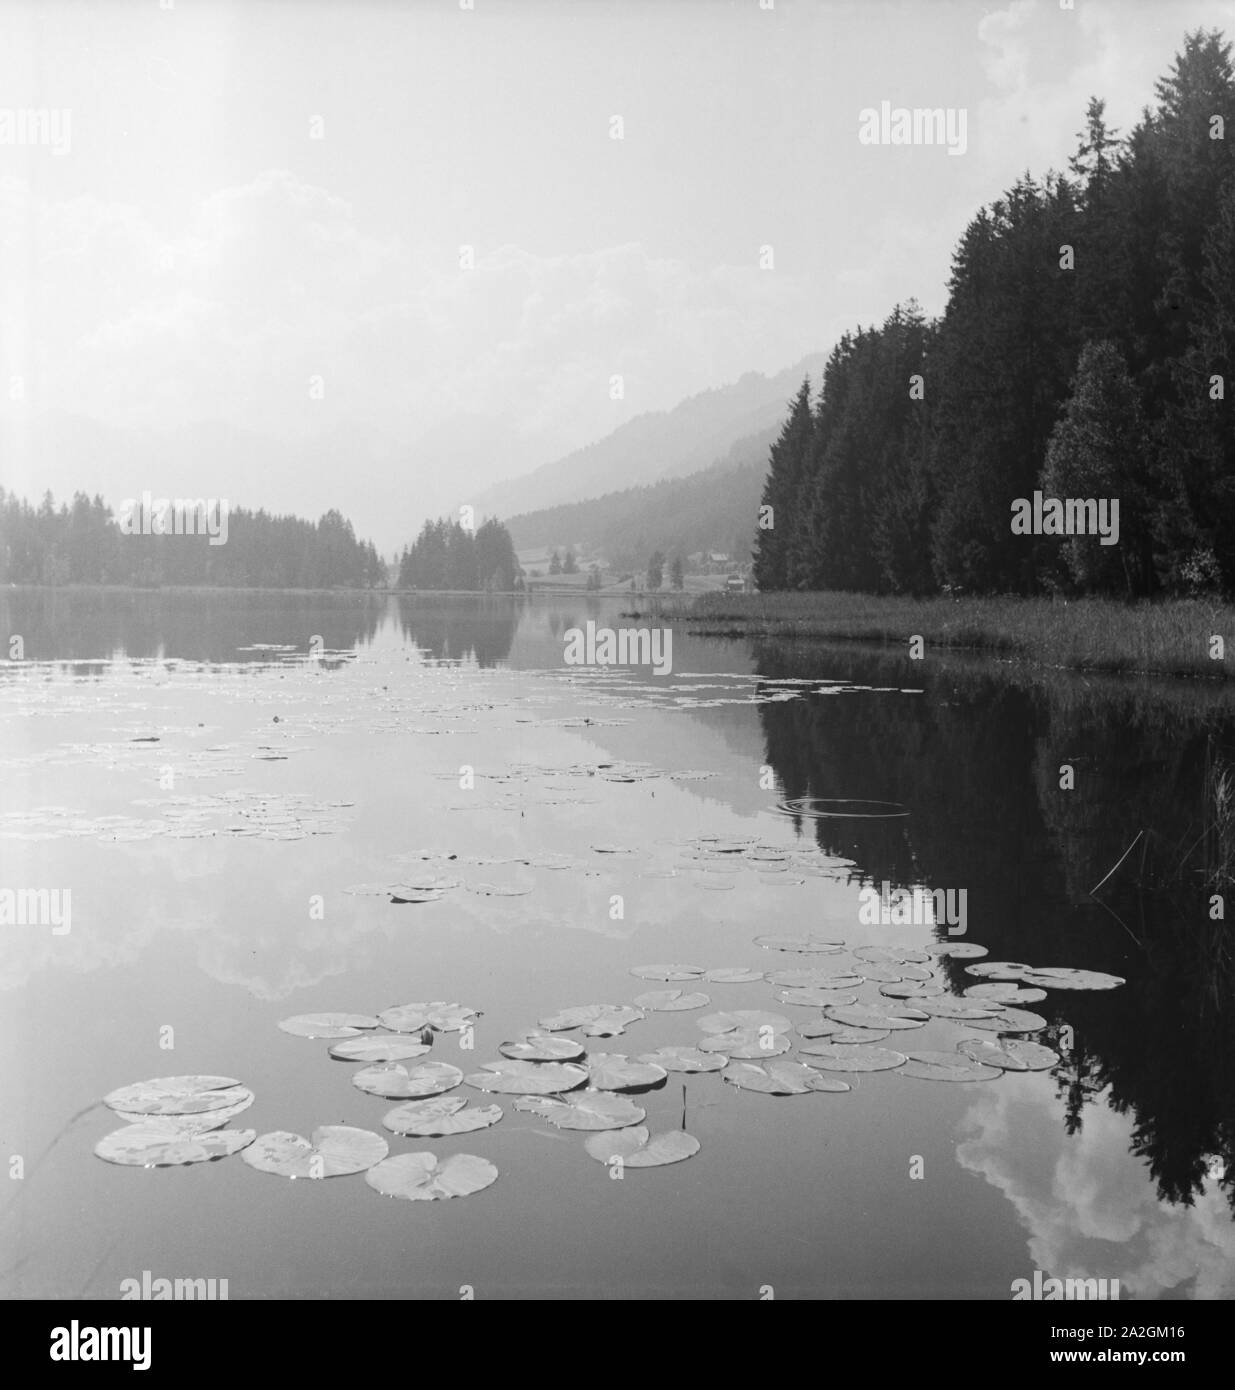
pixel 787 467
pixel 1097 450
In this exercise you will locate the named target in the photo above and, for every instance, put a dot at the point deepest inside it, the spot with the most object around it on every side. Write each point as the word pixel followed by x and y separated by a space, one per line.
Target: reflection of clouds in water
pixel 246 907
pixel 1089 1205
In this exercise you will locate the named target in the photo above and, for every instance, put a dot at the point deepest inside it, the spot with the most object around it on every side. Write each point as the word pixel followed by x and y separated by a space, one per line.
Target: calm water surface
pixel 200 793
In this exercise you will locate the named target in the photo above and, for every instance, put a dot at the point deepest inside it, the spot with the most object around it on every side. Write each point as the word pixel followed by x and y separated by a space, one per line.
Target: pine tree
pixel 787 467
pixel 1097 450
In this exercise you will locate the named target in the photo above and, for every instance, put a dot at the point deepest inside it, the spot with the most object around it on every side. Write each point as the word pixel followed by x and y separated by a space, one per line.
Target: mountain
pixel 658 445
pixel 713 509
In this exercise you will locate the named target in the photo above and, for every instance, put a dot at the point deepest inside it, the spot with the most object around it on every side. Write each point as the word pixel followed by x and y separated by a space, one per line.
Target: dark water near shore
pixel 293 778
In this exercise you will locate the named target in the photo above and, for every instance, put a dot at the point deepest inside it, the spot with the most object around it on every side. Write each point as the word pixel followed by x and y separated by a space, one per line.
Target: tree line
pixel 82 542
pixel 1087 350
pixel 445 555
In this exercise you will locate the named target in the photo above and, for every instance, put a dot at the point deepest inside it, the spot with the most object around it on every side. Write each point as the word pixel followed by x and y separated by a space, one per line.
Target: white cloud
pixel 274 282
pixel 1088 1204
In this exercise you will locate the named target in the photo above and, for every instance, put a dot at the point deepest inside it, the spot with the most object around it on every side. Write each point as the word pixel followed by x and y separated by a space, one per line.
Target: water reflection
pixel 976 759
pixel 481 630
pixel 1117 1162
pixel 101 625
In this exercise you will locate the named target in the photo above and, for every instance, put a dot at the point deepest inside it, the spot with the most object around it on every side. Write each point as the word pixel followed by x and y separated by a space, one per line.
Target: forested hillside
pixel 709 510
pixel 83 543
pixel 655 446
pixel 1087 350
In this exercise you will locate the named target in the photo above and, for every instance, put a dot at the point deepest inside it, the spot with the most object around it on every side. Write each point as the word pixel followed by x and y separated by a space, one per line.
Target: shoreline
pixel 1159 637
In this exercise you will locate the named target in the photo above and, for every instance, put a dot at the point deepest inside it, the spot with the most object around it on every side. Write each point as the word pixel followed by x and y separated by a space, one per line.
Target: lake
pixel 210 774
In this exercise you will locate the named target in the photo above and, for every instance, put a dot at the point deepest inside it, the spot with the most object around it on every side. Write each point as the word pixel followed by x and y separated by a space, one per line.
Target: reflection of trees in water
pixel 976 760
pixel 480 627
pixel 192 625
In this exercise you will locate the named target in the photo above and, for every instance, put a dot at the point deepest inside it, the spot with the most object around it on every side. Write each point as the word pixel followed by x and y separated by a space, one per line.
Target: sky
pixel 237 271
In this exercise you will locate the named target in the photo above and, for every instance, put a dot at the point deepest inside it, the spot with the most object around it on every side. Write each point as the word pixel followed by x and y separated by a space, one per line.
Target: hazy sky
pixel 192 262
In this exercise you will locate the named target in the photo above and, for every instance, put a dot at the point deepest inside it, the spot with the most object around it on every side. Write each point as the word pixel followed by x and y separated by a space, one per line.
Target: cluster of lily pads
pixel 243 812
pixel 182 1119
pixel 686 692
pixel 708 861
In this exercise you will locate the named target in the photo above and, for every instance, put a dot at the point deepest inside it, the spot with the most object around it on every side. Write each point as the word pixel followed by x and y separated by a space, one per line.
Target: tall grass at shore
pixel 1171 637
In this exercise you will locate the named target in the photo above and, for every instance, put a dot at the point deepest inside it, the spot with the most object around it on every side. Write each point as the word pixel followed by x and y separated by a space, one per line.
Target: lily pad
pixel 154 1145
pixel 890 955
pixel 747 1042
pixel 542 1047
pixel 1009 1054
pixel 866 1016
pixel 177 1095
pixel 199 1123
pixel 683 1059
pixel 333 1152
pixel 1063 977
pixel 440 1115
pixel 819 1028
pixel 671 1000
pixel 528 1078
pixel 610 1071
pixel 814 979
pixel 637 1149
pixel 968 1010
pixel 392 1048
pixel 595 1110
pixel 947 1066
pixel 808 997
pixel 887 974
pixel 397 1082
pixel 912 989
pixel 999 970
pixel 424 1177
pixel 732 975
pixel 1010 1021
pixel 1008 993
pixel 850 1035
pixel 806 945
pixel 667 972
pixel 596 1020
pixel 853 1058
pixel 327 1025
pixel 744 1018
pixel 438 1015
pixel 958 950
pixel 779 1078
